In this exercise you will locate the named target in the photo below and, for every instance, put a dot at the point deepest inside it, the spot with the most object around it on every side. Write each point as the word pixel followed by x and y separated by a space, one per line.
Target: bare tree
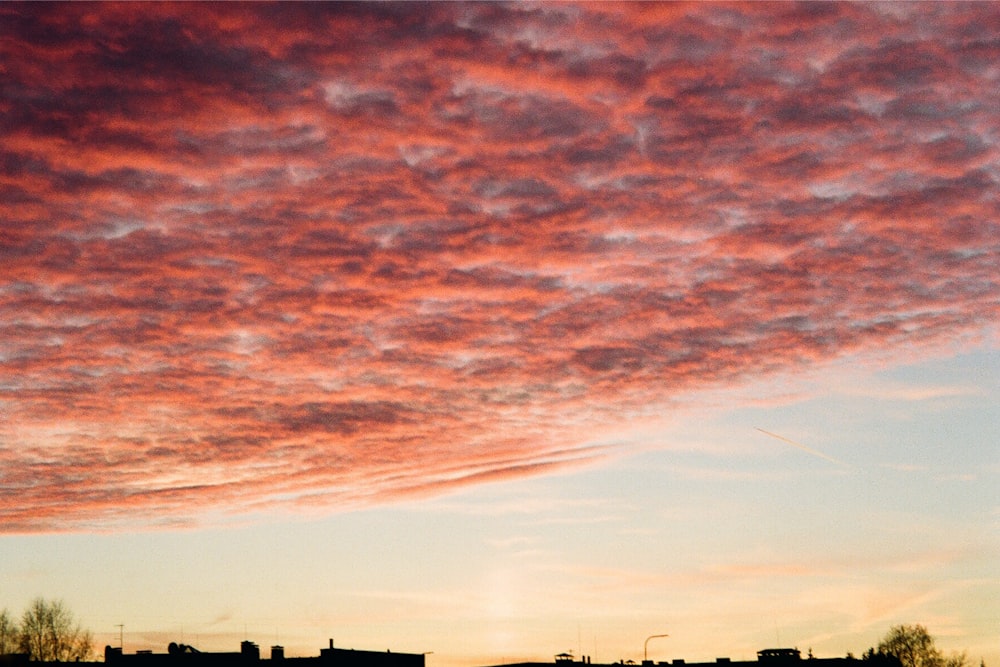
pixel 8 633
pixel 48 633
pixel 913 646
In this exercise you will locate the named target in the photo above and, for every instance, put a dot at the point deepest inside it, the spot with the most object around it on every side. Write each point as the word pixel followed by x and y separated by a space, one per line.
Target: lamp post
pixel 645 647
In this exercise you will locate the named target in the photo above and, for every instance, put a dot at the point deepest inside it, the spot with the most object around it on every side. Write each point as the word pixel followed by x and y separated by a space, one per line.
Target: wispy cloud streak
pixel 297 256
pixel 799 445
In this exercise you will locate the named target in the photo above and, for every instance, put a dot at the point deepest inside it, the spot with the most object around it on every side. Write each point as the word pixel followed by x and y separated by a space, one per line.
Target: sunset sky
pixel 497 331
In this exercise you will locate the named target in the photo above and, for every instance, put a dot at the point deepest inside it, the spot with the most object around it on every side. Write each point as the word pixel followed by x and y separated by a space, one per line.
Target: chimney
pixel 249 651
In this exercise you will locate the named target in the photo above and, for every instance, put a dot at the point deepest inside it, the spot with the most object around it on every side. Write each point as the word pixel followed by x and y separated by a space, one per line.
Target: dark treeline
pixel 46 632
pixel 913 646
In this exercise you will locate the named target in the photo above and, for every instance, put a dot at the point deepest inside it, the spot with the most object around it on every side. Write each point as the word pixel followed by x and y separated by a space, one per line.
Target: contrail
pixel 802 447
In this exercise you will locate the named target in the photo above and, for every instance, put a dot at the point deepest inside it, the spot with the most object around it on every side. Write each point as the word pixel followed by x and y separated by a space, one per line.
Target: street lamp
pixel 645 647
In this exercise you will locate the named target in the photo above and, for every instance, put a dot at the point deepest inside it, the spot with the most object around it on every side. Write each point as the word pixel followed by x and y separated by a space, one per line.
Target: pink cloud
pixel 316 256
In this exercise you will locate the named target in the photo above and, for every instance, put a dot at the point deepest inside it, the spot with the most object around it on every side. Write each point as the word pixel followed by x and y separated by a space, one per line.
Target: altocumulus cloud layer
pixel 316 256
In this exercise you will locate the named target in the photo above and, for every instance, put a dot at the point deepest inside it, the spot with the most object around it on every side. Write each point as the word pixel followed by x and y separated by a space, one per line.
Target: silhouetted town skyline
pixel 184 655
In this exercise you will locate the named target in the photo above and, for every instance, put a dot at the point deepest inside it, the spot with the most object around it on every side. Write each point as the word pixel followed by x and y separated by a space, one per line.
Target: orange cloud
pixel 322 255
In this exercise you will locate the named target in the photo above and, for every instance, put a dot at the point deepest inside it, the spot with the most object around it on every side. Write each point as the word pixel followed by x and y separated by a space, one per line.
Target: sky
pixel 500 330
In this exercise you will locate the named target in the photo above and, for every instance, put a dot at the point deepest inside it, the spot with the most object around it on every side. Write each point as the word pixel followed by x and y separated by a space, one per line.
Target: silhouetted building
pixel 778 656
pixel 769 657
pixel 182 655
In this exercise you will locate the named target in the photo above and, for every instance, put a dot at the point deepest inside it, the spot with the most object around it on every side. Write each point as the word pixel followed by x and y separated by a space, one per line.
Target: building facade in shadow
pixel 770 657
pixel 182 655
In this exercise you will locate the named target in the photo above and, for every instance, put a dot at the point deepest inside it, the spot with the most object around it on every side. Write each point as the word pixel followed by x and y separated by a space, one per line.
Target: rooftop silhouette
pixel 769 657
pixel 249 653
pixel 183 655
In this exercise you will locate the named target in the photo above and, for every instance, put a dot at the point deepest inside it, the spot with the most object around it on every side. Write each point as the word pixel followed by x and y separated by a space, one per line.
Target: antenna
pixel 121 636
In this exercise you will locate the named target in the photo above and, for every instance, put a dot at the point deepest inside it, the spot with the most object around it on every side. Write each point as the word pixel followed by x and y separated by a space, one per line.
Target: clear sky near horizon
pixel 497 331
